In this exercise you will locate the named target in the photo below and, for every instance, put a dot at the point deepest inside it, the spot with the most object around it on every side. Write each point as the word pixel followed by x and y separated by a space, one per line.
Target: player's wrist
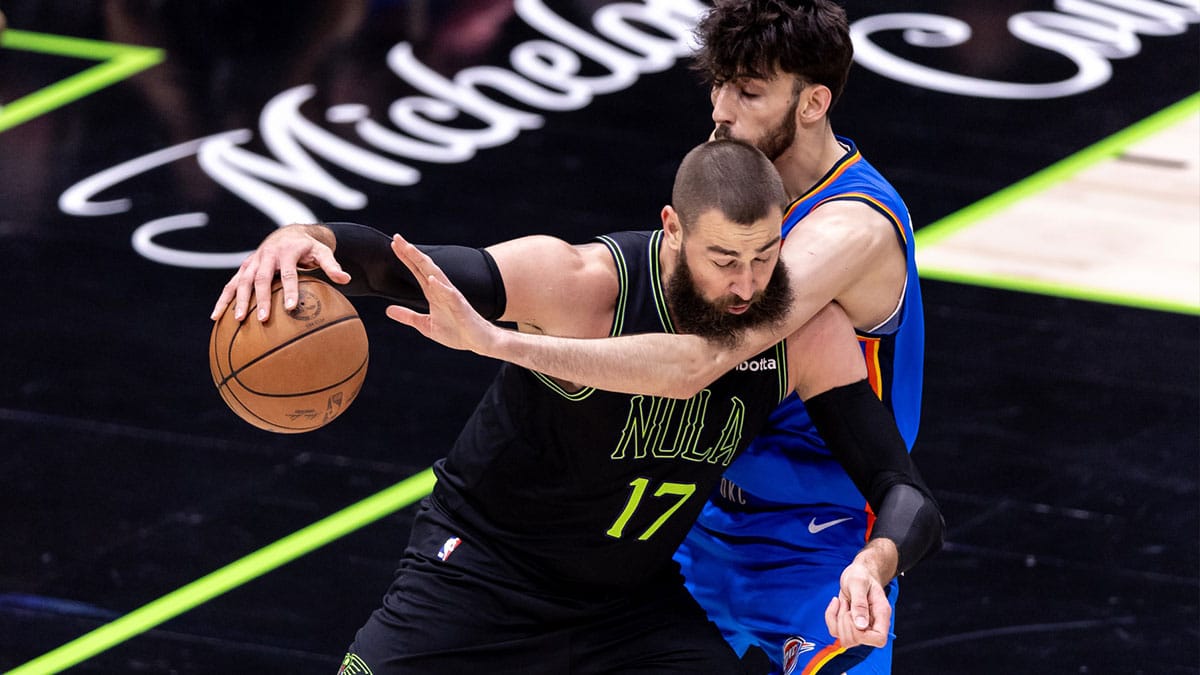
pixel 322 234
pixel 502 344
pixel 881 558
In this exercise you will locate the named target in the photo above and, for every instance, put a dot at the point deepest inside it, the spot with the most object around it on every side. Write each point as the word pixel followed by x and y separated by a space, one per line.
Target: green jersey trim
pixel 781 355
pixel 618 323
pixel 660 300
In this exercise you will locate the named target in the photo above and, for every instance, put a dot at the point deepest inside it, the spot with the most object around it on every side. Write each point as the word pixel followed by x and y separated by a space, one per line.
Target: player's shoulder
pixel 859 175
pixel 845 217
pixel 626 247
pixel 629 242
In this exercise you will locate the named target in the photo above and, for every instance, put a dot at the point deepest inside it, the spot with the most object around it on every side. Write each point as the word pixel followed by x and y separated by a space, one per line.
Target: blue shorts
pixel 765 580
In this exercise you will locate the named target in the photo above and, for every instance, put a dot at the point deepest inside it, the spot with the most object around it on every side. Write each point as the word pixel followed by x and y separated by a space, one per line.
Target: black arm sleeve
pixel 366 255
pixel 862 435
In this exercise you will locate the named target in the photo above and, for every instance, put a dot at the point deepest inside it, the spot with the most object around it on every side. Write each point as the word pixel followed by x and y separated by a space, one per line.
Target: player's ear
pixel 814 104
pixel 672 228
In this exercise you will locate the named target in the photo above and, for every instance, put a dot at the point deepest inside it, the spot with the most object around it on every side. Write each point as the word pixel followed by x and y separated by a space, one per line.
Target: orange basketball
pixel 297 370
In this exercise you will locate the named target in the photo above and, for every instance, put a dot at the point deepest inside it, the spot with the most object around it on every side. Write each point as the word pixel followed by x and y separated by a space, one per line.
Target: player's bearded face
pixel 776 139
pixel 711 319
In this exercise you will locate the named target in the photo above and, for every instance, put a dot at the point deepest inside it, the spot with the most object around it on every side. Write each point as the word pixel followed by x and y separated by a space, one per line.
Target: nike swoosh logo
pixel 814 528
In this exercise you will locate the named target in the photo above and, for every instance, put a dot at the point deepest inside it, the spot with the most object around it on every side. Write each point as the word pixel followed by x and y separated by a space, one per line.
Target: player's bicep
pixel 546 278
pixel 824 353
pixel 844 251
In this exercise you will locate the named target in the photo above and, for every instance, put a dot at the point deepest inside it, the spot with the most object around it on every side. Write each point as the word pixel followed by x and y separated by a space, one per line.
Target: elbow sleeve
pixel 366 255
pixel 912 520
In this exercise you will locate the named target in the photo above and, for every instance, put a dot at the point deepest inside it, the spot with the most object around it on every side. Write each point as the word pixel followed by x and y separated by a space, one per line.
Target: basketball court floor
pixel 1049 152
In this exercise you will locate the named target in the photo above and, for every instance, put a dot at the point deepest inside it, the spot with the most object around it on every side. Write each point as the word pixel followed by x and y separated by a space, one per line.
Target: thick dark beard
pixel 778 140
pixel 712 321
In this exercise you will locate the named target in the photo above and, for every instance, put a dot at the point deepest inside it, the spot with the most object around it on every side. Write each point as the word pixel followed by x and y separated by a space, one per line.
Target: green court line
pixel 119 61
pixel 1050 176
pixel 1059 290
pixel 234 574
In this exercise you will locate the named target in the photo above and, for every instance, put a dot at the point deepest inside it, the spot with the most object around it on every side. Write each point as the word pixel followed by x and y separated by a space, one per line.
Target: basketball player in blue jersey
pixel 546 545
pixel 767 555
pixel 786 494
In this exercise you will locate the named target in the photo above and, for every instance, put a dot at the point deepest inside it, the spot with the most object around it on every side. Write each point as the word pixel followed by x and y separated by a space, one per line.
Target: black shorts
pixel 472 613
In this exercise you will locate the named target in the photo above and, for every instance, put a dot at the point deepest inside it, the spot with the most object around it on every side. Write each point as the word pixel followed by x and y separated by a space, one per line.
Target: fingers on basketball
pixel 298 370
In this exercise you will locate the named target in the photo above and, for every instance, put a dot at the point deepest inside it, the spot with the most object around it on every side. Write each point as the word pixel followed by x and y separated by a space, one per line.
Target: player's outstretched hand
pixel 860 614
pixel 451 320
pixel 285 251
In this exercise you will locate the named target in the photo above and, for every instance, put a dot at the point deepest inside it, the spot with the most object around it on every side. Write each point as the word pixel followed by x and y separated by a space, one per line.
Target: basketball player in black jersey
pixel 546 545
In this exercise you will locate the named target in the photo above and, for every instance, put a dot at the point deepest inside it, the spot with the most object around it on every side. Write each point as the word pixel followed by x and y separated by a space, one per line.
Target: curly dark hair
pixel 809 39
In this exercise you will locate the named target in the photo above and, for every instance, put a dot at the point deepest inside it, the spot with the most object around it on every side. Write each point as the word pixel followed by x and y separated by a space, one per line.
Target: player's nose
pixel 722 108
pixel 743 284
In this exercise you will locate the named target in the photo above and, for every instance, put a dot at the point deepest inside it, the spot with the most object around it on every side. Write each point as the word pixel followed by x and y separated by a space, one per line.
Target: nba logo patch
pixel 792 649
pixel 448 547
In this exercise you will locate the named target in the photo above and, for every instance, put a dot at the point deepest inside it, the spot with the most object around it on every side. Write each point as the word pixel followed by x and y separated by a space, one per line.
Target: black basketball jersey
pixel 592 487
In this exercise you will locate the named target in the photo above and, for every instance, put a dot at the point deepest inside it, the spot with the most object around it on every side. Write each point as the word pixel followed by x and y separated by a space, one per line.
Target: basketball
pixel 296 371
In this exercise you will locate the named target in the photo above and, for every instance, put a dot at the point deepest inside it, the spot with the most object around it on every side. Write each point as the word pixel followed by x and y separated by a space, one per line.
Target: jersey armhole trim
pixel 784 380
pixel 618 323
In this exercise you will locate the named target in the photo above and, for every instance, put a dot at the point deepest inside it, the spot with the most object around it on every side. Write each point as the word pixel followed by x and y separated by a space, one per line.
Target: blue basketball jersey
pixel 789 463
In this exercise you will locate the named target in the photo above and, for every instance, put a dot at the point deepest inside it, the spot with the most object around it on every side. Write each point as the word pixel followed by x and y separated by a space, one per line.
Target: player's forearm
pixel 366 254
pixel 658 364
pixel 862 436
pixel 362 252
